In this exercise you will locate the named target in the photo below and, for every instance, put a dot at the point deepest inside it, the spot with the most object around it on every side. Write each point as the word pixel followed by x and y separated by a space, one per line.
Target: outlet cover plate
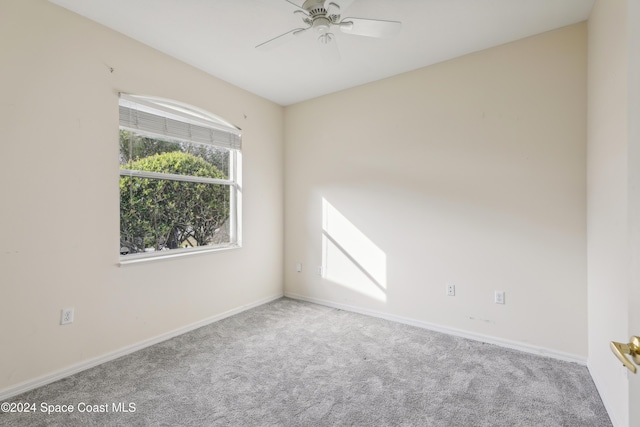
pixel 66 316
pixel 451 290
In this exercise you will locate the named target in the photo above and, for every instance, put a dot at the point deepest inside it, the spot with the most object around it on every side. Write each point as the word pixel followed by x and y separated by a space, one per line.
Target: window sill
pixel 160 256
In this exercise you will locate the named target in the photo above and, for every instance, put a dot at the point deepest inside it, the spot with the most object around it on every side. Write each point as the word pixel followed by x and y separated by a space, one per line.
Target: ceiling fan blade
pixel 370 27
pixel 344 4
pixel 299 6
pixel 337 7
pixel 332 9
pixel 281 39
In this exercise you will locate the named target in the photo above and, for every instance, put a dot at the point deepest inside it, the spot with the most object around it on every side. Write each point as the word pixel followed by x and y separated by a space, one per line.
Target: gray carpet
pixel 291 363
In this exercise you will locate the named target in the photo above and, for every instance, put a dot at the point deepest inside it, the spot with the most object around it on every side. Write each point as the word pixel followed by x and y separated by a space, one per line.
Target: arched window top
pixel 174 119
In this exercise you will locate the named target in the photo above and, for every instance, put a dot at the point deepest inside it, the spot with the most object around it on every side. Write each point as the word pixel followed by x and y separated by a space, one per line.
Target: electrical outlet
pixel 451 290
pixel 67 316
pixel 320 271
pixel 499 297
pixel 299 267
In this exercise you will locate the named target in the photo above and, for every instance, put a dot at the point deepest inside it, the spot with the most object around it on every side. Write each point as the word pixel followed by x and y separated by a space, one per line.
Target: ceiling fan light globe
pixel 321 25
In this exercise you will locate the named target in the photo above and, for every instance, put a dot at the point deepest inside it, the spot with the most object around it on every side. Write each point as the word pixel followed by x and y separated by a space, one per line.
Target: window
pixel 179 179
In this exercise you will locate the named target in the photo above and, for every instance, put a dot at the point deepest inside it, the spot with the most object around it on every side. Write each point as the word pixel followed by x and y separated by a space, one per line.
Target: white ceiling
pixel 219 37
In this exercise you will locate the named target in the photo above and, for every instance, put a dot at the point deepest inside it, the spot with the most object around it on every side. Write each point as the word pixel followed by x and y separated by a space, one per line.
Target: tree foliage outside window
pixel 159 209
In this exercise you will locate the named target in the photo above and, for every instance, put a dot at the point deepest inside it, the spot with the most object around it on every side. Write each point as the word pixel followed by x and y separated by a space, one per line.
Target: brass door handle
pixel 632 349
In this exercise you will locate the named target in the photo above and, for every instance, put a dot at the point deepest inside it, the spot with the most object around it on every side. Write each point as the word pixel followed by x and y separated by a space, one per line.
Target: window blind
pixel 162 119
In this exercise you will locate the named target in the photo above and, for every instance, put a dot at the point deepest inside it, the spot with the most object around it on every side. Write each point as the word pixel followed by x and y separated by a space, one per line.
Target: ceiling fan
pixel 324 16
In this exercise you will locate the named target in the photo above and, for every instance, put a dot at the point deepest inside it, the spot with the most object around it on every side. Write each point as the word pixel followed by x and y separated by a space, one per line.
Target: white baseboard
pixel 527 348
pixel 87 364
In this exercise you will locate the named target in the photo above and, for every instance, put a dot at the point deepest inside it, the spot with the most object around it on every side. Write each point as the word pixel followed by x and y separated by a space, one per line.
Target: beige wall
pixel 59 196
pixel 470 172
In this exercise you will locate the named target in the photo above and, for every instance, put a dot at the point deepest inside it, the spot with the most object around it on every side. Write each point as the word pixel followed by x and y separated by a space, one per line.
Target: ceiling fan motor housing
pixel 310 5
pixel 319 18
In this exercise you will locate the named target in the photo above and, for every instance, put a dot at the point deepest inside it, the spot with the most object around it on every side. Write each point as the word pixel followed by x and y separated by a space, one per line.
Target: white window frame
pixel 171 120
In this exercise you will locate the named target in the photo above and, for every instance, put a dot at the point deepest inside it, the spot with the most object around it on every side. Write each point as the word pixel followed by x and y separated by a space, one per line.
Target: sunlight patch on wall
pixel 350 258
